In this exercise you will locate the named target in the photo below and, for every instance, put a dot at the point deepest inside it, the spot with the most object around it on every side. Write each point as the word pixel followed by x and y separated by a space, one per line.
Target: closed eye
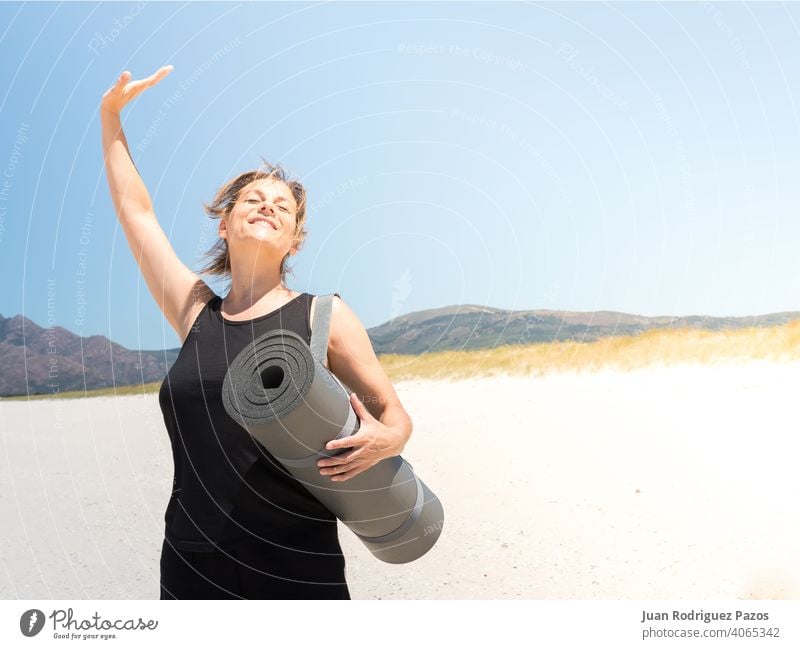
pixel 253 200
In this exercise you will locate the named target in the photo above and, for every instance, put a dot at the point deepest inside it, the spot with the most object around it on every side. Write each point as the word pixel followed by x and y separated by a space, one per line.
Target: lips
pixel 266 220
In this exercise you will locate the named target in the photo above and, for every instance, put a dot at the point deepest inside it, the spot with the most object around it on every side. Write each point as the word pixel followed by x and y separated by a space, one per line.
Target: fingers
pixel 120 83
pixel 336 470
pixel 357 439
pixel 137 86
pixel 160 74
pixel 346 471
pixel 347 442
pixel 125 90
pixel 359 407
pixel 344 458
pixel 343 465
pixel 350 474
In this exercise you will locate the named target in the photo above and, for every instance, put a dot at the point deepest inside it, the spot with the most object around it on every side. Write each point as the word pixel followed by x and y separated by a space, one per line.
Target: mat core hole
pixel 272 377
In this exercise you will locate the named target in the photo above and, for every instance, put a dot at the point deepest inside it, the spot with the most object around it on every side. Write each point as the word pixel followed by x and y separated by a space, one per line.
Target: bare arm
pixel 128 192
pixel 352 359
pixel 385 425
pixel 177 290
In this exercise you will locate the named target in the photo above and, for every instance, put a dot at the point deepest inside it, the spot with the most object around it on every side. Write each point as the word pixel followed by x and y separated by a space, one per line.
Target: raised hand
pixel 124 90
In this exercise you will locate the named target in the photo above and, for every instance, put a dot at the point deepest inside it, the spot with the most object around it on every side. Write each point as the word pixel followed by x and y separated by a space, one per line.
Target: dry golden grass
pixel 655 347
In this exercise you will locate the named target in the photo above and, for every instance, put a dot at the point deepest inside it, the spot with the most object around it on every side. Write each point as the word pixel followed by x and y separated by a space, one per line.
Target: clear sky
pixel 582 156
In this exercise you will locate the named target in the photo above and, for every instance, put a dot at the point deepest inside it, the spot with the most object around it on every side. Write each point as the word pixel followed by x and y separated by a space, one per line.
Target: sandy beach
pixel 673 482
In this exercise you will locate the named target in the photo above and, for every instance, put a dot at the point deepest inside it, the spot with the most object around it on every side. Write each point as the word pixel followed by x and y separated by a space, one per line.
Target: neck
pixel 253 277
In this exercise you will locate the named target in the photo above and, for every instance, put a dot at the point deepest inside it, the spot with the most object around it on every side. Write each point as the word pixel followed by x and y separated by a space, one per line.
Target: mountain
pixel 53 360
pixel 56 360
pixel 470 326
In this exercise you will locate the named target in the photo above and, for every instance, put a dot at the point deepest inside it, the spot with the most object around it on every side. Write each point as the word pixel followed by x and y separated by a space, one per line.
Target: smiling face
pixel 265 214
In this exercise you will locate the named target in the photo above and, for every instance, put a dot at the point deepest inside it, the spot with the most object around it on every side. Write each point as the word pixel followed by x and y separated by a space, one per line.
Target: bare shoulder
pixel 352 359
pixel 200 294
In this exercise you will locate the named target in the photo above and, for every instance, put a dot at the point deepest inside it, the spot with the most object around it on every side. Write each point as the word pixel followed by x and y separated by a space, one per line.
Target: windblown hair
pixel 226 197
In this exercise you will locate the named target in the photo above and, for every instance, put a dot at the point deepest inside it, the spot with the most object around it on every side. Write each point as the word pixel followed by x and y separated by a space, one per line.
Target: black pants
pixel 300 563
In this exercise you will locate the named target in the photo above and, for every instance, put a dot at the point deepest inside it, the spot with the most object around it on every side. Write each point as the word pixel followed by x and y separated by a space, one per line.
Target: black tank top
pixel 226 485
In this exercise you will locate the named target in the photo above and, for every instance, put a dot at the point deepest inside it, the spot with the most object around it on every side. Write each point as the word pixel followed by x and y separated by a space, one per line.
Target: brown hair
pixel 224 200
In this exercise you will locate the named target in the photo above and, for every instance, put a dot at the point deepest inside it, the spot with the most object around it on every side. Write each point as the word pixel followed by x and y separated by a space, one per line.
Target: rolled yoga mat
pixel 278 389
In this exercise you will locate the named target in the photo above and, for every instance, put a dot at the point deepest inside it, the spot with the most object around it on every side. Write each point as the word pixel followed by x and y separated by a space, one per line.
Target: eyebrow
pixel 277 200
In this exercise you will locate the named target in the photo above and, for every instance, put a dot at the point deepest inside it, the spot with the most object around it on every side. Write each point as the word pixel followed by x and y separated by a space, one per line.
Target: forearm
pixel 396 418
pixel 128 192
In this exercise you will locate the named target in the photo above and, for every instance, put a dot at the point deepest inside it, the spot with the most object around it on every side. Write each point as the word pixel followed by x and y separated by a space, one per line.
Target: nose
pixel 266 206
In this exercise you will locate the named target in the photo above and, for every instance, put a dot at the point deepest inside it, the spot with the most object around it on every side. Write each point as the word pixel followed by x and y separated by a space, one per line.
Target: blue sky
pixel 631 157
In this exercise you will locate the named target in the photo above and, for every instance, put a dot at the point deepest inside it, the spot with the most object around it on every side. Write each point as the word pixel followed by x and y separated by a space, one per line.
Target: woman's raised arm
pixel 178 291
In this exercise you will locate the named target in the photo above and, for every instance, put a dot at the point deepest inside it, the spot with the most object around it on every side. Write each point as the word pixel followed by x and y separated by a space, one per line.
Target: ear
pixel 293 249
pixel 223 228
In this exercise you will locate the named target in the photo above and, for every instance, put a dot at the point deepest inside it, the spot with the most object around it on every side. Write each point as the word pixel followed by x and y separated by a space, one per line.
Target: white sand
pixel 673 483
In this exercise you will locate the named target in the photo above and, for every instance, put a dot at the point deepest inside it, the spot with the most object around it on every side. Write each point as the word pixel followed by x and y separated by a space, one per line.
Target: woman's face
pixel 264 213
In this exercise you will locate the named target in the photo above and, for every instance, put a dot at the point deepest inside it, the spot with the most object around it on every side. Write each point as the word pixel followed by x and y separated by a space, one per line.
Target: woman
pixel 237 524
